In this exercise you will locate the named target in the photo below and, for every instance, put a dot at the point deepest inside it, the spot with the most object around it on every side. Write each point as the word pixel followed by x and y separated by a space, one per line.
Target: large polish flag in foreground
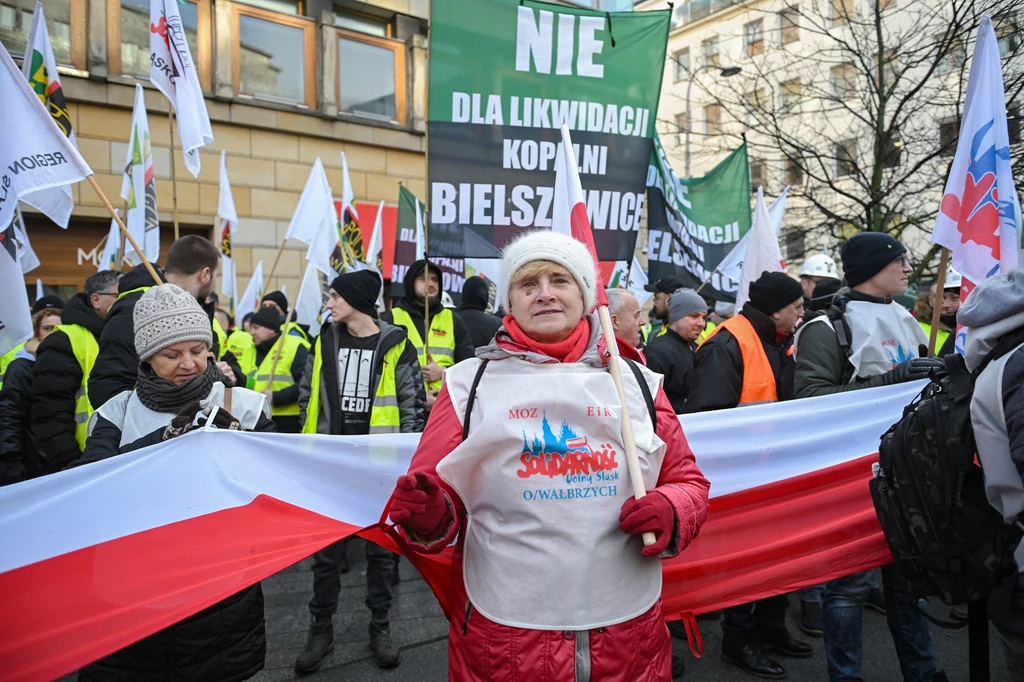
pixel 100 556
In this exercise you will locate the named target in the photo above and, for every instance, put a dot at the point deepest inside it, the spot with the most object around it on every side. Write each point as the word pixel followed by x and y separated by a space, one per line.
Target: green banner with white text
pixel 504 76
pixel 693 223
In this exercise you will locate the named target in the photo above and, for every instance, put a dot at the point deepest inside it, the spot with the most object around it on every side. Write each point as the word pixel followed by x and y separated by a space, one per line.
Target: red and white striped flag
pixel 578 218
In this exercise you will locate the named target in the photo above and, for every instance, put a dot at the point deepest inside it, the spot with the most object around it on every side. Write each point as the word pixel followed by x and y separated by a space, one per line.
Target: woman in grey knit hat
pixel 179 388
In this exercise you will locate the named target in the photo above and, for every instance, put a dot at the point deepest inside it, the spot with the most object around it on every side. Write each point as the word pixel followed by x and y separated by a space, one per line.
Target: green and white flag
pixel 504 76
pixel 693 223
pixel 138 187
pixel 40 68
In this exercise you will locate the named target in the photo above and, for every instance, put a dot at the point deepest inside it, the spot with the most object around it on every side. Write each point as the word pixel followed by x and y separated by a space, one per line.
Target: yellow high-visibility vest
pixel 940 338
pixel 85 348
pixel 384 414
pixel 282 377
pixel 243 347
pixel 222 339
pixel 441 344
pixel 6 359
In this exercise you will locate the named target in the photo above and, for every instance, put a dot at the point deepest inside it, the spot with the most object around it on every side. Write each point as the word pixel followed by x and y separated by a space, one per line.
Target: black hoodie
pixel 56 381
pixel 464 348
pixel 117 365
pixel 481 324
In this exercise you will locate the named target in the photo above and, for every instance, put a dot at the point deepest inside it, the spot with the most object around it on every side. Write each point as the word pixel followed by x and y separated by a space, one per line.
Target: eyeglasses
pixel 106 293
pixel 903 261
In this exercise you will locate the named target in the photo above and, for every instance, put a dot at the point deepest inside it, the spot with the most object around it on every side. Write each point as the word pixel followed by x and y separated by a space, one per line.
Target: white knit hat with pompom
pixel 557 248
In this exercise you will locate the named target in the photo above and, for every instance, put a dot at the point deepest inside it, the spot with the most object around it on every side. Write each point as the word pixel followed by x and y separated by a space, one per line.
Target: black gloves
pixel 914 369
pixel 183 422
pixel 224 420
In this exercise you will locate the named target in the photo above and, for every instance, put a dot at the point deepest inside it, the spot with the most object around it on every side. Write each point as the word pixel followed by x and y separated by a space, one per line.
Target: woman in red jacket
pixel 522 460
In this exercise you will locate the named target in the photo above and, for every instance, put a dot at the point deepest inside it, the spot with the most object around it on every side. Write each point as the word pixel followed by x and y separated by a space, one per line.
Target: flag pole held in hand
pixel 581 232
pixel 124 230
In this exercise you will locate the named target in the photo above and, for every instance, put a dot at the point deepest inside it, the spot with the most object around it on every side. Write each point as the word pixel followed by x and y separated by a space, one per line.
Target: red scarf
pixel 569 350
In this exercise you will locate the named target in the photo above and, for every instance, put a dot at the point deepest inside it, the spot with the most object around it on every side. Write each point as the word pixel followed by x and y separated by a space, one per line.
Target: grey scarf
pixel 162 395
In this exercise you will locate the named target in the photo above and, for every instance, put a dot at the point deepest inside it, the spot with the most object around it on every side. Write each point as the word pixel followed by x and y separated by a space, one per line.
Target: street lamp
pixel 725 72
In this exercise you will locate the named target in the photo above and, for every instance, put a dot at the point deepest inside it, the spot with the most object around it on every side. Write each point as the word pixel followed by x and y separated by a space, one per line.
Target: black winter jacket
pixel 17 457
pixel 56 381
pixel 481 324
pixel 118 364
pixel 672 357
pixel 718 370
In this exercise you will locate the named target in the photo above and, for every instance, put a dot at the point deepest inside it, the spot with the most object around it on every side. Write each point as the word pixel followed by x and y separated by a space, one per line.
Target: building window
pixel 713 119
pixel 681 62
pixel 1013 124
pixel 794 244
pixel 846 158
pixel 1007 35
pixel 893 154
pixel 361 23
pixel 753 38
pixel 274 56
pixel 789 25
pixel 844 82
pixel 128 37
pixel 291 7
pixel 709 48
pixel 955 56
pixel 794 172
pixel 755 104
pixel 757 176
pixel 679 14
pixel 65 20
pixel 371 76
pixel 949 132
pixel 680 128
pixel 789 97
pixel 842 11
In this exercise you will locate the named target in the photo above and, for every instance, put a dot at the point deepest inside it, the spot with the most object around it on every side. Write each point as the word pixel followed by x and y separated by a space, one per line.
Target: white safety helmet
pixel 724 309
pixel 819 265
pixel 953 279
pixel 446 300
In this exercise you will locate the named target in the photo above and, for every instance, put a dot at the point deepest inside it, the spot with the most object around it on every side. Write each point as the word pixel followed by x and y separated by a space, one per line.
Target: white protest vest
pixel 135 420
pixel 543 476
pixel 882 336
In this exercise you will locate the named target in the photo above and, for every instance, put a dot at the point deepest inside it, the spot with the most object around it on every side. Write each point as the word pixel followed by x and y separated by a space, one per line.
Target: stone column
pixel 416 81
pixel 327 65
pixel 96 39
pixel 223 75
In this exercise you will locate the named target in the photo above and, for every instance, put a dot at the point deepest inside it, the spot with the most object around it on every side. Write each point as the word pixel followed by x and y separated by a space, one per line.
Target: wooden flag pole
pixel 124 230
pixel 277 259
pixel 121 260
pixel 426 287
pixel 174 178
pixel 940 282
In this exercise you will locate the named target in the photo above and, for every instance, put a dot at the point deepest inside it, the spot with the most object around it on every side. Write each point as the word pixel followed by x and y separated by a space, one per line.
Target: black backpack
pixel 929 492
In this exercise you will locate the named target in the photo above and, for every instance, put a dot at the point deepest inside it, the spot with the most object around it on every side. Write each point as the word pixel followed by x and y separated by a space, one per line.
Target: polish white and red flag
pixel 579 221
pixel 979 217
pixel 100 556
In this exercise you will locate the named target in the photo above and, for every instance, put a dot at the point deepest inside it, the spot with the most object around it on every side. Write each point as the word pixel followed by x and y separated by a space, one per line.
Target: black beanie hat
pixel 267 317
pixel 866 253
pixel 359 289
pixel 278 298
pixel 773 291
pixel 48 301
pixel 824 293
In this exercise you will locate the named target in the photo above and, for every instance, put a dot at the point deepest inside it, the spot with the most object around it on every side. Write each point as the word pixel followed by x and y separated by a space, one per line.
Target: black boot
pixel 385 652
pixel 750 658
pixel 319 644
pixel 810 618
pixel 781 642
pixel 678 666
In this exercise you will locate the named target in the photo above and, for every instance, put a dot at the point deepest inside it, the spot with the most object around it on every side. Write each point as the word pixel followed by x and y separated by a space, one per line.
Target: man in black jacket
pixel 58 417
pixel 747 360
pixel 193 263
pixel 481 324
pixel 672 354
pixel 413 305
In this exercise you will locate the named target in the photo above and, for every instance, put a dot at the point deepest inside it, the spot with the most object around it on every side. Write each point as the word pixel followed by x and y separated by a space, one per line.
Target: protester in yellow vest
pixel 945 340
pixel 60 403
pixel 450 341
pixel 746 360
pixel 279 302
pixel 243 347
pixel 280 383
pixel 221 324
pixel 362 377
pixel 43 303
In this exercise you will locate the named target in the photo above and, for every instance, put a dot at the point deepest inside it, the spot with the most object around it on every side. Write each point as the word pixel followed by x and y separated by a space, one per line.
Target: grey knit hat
pixel 166 315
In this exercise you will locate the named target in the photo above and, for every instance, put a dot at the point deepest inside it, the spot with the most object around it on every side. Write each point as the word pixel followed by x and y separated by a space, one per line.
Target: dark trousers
pixel 742 621
pixel 327 563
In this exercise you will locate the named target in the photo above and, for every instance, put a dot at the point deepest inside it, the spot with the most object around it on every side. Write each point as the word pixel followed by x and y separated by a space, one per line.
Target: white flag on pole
pixel 27 258
pixel 229 223
pixel 637 281
pixel 15 317
pixel 348 195
pixel 421 241
pixel 40 69
pixel 39 289
pixel 315 208
pixel 250 299
pixel 111 259
pixel 35 154
pixel 762 251
pixel 560 203
pixel 732 265
pixel 138 187
pixel 375 252
pixel 173 72
pixel 311 301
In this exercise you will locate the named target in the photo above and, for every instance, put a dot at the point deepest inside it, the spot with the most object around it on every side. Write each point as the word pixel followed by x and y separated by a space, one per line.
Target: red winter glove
pixel 418 504
pixel 651 513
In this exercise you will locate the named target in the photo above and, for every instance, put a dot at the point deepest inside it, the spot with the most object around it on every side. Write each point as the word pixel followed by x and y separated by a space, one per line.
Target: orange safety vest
pixel 758 379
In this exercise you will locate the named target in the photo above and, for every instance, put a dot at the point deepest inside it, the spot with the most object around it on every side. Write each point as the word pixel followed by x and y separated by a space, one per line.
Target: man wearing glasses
pixel 866 340
pixel 60 405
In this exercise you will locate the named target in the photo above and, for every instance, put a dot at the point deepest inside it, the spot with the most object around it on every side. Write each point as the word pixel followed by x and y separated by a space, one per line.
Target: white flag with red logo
pixel 228 225
pixel 173 72
pixel 579 221
pixel 138 187
pixel 978 219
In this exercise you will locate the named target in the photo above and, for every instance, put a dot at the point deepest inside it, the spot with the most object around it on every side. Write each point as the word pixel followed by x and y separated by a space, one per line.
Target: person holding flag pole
pixel 502 447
